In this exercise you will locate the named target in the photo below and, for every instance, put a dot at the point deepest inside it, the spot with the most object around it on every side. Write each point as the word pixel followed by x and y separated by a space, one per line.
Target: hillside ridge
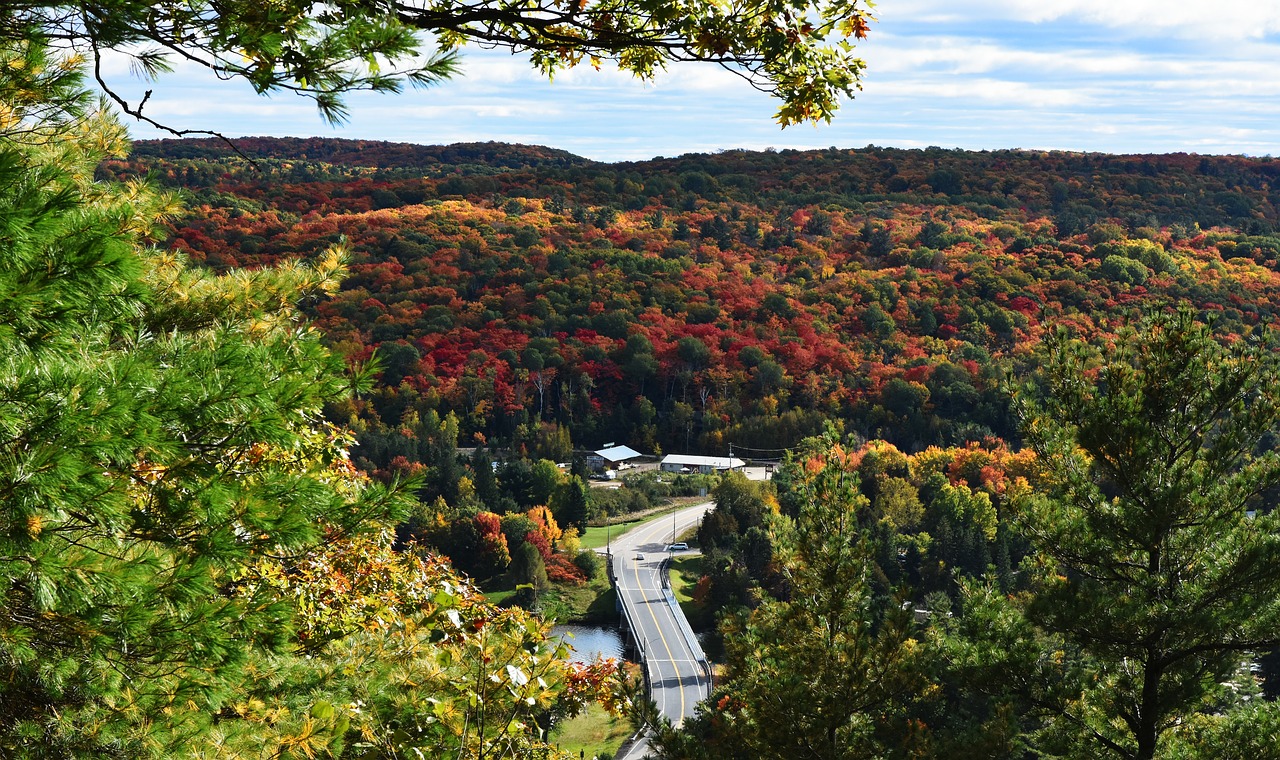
pixel 357 152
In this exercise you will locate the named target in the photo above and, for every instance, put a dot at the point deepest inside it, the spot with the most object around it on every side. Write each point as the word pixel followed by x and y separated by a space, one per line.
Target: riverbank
pixel 593 603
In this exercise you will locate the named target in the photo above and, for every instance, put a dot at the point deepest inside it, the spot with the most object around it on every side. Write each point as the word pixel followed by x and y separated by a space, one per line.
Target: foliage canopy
pixel 189 563
pixel 325 49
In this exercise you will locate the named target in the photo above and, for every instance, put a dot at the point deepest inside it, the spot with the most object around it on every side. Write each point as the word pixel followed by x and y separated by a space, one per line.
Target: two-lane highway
pixel 674 661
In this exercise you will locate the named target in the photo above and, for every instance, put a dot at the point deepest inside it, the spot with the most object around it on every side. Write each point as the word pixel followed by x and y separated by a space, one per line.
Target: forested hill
pixel 361 153
pixel 1076 189
pixel 742 297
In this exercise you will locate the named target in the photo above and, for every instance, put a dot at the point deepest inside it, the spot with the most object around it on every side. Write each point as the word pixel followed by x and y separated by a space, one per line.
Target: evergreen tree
pixel 1155 565
pixel 485 481
pixel 528 572
pixel 159 433
pixel 827 674
pixel 572 503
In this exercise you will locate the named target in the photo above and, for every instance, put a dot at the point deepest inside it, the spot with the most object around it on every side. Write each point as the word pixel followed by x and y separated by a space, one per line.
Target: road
pixel 675 663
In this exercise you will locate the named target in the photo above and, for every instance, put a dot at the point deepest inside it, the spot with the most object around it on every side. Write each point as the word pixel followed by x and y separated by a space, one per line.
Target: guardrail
pixel 686 631
pixel 691 639
pixel 628 623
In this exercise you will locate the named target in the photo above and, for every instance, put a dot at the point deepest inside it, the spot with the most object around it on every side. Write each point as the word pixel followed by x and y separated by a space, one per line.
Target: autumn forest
pixel 318 447
pixel 919 320
pixel 682 305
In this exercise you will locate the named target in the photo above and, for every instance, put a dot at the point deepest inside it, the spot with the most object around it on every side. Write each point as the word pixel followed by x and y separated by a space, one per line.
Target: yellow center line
pixel 679 681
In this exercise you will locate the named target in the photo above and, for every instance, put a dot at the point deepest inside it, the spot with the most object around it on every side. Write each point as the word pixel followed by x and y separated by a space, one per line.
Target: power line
pixel 753 448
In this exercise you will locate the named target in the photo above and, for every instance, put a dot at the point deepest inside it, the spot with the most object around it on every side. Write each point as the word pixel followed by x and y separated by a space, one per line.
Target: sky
pixel 1114 76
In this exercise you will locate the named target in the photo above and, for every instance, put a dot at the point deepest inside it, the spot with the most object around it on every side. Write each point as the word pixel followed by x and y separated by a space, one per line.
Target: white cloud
pixel 491 67
pixel 985 91
pixel 1225 20
pixel 1122 76
pixel 509 110
pixel 963 56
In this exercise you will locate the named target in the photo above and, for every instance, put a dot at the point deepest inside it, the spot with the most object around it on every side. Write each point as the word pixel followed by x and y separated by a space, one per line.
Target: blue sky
pixel 1118 76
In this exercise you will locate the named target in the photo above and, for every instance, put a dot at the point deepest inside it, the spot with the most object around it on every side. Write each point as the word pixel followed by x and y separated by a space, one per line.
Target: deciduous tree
pixel 797 50
pixel 403 658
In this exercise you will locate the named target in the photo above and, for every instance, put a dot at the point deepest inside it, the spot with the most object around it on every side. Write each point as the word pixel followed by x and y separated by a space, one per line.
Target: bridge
pixel 677 674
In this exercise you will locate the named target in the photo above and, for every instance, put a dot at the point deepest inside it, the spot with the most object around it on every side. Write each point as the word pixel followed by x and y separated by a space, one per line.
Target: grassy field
pixel 591 733
pixel 596 535
pixel 500 596
pixel 685 572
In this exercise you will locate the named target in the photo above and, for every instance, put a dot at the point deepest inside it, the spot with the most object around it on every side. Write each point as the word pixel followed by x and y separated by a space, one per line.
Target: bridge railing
pixel 627 623
pixel 686 632
pixel 690 638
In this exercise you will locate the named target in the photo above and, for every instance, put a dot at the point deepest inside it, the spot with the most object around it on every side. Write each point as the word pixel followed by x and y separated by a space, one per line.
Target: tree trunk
pixel 1149 712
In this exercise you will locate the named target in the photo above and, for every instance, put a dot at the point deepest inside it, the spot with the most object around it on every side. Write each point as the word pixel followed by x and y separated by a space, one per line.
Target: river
pixel 589 641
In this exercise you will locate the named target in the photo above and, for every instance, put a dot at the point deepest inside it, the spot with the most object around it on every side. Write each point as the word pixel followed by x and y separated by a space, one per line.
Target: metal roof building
pixel 705 465
pixel 611 456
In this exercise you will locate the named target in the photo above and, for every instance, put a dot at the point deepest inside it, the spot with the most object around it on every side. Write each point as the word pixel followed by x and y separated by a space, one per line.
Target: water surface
pixel 588 641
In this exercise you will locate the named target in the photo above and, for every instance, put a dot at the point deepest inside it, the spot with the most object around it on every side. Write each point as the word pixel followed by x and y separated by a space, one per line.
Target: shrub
pixel 588 562
pixel 560 569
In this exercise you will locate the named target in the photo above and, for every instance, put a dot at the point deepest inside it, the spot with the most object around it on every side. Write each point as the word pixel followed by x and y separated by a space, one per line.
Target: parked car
pixel 678 547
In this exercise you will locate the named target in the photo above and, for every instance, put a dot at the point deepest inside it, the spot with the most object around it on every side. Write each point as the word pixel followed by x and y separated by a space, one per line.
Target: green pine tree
pixel 829 672
pixel 572 503
pixel 159 432
pixel 1154 565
